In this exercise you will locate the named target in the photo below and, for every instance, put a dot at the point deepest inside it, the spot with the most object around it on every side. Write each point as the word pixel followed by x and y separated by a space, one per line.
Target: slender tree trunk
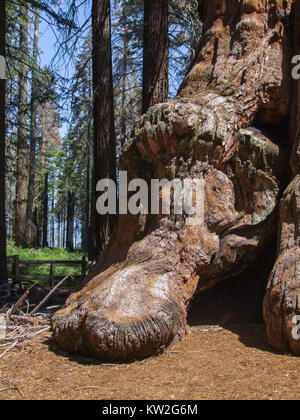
pixel 104 136
pixel 86 216
pixel 70 222
pixel 92 227
pixel 58 240
pixel 155 63
pixel 3 263
pixel 38 229
pixel 52 224
pixel 36 223
pixel 123 122
pixel 45 214
pixel 21 180
pixel 33 134
pixel 64 232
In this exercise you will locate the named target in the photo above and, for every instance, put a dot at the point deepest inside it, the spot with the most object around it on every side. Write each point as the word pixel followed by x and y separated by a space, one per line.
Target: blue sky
pixel 48 48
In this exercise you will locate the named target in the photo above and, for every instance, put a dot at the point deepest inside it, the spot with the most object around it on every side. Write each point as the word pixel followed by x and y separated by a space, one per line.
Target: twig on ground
pixel 19 303
pixel 28 319
pixel 11 386
pixel 49 295
pixel 9 348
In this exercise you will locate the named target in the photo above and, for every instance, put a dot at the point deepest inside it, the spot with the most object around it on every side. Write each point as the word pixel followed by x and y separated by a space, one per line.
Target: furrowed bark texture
pixel 227 126
pixel 3 262
pixel 104 136
pixel 30 233
pixel 155 60
pixel 45 212
pixel 282 300
pixel 22 166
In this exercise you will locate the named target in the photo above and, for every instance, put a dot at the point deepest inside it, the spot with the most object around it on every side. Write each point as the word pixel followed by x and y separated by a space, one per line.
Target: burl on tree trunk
pixel 228 126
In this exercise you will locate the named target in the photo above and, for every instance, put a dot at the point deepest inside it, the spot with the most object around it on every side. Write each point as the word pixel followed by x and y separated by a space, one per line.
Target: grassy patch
pixel 29 254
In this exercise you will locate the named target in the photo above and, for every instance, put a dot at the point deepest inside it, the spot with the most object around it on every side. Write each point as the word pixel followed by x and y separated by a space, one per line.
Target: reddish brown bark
pixel 226 127
pixel 3 264
pixel 155 63
pixel 104 135
pixel 22 152
pixel 30 232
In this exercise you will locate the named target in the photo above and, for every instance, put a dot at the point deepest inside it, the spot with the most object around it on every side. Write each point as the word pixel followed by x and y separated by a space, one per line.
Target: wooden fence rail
pixel 16 263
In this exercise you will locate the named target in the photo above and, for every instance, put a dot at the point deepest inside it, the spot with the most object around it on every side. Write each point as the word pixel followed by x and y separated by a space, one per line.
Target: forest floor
pixel 211 363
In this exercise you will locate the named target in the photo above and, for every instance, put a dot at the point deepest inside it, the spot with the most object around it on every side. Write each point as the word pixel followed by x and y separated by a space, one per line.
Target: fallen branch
pixel 19 303
pixel 49 295
pixel 25 336
pixel 11 386
pixel 9 348
pixel 27 319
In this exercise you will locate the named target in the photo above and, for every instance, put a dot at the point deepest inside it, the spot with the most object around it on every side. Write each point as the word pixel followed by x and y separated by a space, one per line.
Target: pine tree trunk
pixel 30 232
pixel 3 263
pixel 70 222
pixel 64 232
pixel 86 215
pixel 36 223
pixel 45 214
pixel 58 239
pixel 123 119
pixel 92 222
pixel 52 224
pixel 104 135
pixel 155 63
pixel 21 169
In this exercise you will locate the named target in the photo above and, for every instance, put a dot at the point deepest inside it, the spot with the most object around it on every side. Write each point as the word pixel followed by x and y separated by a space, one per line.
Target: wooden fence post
pixel 16 270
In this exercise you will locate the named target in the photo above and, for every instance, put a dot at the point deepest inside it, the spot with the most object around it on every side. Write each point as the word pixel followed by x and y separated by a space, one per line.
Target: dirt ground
pixel 212 363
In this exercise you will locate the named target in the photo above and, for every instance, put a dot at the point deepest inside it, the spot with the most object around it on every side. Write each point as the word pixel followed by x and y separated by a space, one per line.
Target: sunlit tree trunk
pixel 70 222
pixel 30 231
pixel 104 135
pixel 155 63
pixel 3 264
pixel 22 152
pixel 45 213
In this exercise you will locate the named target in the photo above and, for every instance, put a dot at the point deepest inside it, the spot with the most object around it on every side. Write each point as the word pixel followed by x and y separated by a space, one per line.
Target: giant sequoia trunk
pixel 227 126
pixel 282 300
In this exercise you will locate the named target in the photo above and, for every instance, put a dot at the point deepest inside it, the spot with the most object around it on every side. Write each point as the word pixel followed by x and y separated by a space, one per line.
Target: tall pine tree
pixel 104 132
pixel 155 63
pixel 3 264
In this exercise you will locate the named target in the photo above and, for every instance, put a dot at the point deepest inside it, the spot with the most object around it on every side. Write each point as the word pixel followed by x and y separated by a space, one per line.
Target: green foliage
pixel 43 253
pixel 31 254
pixel 69 161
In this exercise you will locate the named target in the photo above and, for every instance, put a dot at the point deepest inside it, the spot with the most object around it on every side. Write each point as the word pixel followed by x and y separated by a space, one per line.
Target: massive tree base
pixel 227 127
pixel 137 304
